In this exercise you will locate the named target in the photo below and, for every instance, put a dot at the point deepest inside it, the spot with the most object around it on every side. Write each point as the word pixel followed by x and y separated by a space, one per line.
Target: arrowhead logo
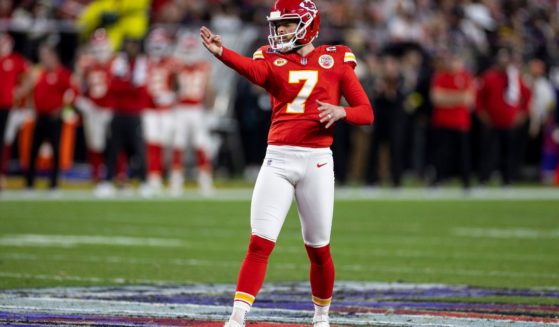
pixel 319 165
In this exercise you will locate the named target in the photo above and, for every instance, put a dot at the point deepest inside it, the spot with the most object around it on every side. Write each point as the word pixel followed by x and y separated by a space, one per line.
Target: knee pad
pixel 259 247
pixel 319 256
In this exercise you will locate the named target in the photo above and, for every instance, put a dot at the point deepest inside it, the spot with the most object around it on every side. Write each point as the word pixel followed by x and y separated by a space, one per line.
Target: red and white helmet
pixel 305 13
pixel 158 43
pixel 188 49
pixel 100 46
pixel 6 44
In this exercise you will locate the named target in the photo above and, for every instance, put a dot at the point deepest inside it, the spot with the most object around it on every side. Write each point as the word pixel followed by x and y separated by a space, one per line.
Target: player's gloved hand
pixel 212 42
pixel 330 113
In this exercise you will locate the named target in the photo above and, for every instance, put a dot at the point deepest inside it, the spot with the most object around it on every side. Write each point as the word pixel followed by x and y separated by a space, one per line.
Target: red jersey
pixel 12 67
pixel 491 99
pixel 50 90
pixel 160 83
pixel 454 117
pixel 96 78
pixel 192 80
pixel 295 83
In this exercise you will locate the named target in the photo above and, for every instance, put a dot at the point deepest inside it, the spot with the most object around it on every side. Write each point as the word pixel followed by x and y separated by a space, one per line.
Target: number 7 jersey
pixel 295 83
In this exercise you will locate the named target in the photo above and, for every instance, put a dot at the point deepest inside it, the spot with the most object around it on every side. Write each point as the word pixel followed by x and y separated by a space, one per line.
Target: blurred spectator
pixel 128 87
pixel 15 83
pixel 6 8
pixel 453 96
pixel 52 91
pixel 502 107
pixel 389 127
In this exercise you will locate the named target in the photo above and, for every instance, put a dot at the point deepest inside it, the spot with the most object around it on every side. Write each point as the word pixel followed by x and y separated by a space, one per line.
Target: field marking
pixel 76 301
pixel 504 233
pixel 67 241
pixel 116 280
pixel 342 193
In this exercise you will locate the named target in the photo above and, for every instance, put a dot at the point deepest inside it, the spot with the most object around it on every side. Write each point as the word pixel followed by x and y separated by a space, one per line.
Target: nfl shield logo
pixel 304 61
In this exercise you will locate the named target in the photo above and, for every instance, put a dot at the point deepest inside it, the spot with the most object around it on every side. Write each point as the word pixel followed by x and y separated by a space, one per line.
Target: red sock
pixel 253 269
pixel 6 151
pixel 557 175
pixel 95 160
pixel 202 160
pixel 321 274
pixel 176 160
pixel 154 158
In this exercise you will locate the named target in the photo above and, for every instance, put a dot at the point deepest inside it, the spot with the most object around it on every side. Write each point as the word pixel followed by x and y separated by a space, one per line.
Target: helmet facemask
pixel 289 41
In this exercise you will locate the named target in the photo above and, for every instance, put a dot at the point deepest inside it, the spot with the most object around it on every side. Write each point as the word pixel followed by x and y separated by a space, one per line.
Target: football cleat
pixel 321 321
pixel 233 323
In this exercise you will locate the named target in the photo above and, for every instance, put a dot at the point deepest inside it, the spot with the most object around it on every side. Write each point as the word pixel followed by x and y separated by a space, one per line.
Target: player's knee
pixel 260 246
pixel 319 255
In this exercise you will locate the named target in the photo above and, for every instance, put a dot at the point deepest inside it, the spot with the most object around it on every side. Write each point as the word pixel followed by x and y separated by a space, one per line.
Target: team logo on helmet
pixel 280 62
pixel 326 61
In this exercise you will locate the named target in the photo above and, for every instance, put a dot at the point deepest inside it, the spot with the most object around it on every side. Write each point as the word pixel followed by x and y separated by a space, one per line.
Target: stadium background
pixel 414 32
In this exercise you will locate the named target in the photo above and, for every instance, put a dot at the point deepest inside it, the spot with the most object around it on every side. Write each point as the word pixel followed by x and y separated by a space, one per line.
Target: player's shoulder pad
pixel 263 52
pixel 342 52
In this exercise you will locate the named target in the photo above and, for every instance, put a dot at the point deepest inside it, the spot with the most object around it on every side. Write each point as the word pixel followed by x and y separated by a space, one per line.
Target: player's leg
pixel 272 197
pixel 176 177
pixel 38 135
pixel 201 141
pixel 95 138
pixel 54 131
pixel 152 133
pixel 315 201
pixel 4 113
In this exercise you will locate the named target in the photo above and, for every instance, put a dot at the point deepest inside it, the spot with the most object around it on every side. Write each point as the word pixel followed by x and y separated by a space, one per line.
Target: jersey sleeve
pixel 255 70
pixel 359 111
pixel 348 56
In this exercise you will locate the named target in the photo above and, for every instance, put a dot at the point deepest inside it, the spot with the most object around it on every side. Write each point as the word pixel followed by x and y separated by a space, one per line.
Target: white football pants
pixel 307 174
pixel 158 126
pixel 191 128
pixel 96 127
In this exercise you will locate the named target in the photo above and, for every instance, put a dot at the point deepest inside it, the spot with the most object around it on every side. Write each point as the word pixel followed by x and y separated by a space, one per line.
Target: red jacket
pixel 12 67
pixel 51 87
pixel 491 99
pixel 129 94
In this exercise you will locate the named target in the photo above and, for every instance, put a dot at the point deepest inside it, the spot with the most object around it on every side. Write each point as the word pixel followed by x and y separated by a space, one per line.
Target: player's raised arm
pixel 256 71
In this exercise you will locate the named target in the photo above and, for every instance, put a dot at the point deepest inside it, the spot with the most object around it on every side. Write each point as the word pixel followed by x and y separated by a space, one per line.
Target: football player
pixel 93 75
pixel 15 83
pixel 195 96
pixel 158 118
pixel 305 84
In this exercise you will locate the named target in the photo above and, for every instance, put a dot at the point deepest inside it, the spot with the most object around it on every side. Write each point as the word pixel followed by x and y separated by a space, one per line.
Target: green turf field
pixel 483 243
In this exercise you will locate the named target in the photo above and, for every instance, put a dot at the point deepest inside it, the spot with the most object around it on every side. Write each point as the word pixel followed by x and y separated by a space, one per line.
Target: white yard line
pixel 117 280
pixel 359 194
pixel 44 240
pixel 525 233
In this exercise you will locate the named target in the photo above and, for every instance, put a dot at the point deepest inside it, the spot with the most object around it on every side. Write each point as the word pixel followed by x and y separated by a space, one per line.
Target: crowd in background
pixel 459 88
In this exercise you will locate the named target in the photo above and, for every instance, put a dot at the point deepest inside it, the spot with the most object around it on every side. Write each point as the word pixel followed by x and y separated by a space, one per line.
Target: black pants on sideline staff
pixel 4 113
pixel 126 134
pixel 47 127
pixel 498 150
pixel 452 151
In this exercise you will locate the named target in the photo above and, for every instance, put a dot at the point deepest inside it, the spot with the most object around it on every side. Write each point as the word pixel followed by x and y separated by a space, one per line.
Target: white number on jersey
pixel 158 81
pixel 192 85
pixel 310 77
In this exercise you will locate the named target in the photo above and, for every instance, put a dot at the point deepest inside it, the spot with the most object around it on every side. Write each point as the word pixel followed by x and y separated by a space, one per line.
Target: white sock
pixel 321 312
pixel 239 313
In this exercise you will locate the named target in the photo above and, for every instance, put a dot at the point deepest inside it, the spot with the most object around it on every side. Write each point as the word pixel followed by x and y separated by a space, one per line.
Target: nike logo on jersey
pixel 318 165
